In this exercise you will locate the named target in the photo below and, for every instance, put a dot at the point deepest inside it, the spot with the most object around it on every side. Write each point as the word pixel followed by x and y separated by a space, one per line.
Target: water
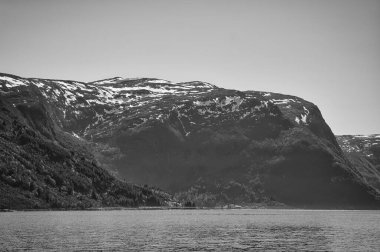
pixel 194 230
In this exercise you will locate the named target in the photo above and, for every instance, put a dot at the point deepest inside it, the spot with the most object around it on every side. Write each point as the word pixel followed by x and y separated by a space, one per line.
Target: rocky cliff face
pixel 205 144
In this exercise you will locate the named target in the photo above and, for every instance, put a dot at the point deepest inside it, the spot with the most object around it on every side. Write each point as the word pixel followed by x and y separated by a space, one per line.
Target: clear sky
pixel 325 51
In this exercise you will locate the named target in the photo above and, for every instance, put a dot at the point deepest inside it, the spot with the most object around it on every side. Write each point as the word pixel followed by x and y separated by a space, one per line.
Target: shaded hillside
pixel 364 152
pixel 44 167
pixel 368 146
pixel 205 144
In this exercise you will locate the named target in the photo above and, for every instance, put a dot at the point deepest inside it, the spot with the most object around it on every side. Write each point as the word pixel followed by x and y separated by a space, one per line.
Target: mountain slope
pixel 203 143
pixel 41 166
pixel 364 152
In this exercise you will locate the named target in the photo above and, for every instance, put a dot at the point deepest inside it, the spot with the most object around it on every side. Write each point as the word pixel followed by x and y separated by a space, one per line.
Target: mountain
pixel 42 166
pixel 366 145
pixel 364 152
pixel 205 144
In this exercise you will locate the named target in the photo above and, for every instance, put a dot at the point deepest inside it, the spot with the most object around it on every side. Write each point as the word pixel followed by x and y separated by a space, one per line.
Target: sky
pixel 327 52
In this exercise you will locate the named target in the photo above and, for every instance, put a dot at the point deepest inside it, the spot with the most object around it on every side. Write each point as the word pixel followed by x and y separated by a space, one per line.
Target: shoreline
pixel 182 208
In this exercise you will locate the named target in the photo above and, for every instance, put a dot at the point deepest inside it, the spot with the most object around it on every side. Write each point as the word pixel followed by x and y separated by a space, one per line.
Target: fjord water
pixel 196 230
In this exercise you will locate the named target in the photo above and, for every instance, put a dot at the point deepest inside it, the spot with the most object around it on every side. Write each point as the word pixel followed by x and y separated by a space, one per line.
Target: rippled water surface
pixel 195 230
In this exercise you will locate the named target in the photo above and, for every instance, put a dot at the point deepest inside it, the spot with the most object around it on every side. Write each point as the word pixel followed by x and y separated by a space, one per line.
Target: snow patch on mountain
pixel 303 117
pixel 12 82
pixel 264 104
pixel 159 81
pixel 283 101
